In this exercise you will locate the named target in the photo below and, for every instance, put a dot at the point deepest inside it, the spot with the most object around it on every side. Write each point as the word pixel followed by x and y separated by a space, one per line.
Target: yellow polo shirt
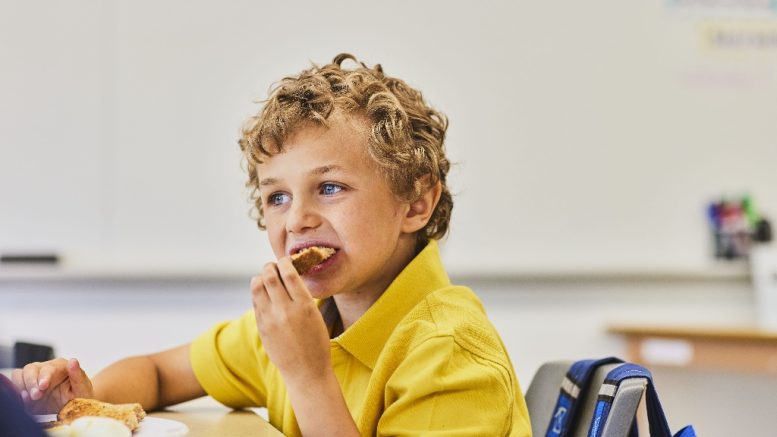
pixel 424 359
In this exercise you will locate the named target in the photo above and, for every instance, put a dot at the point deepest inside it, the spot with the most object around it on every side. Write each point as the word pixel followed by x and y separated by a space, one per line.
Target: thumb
pixel 80 384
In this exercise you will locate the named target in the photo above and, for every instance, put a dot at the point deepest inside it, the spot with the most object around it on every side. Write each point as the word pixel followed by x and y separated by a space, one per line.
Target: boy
pixel 374 340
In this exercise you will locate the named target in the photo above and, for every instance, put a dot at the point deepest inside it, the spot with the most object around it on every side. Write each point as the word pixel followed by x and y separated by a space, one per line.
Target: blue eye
pixel 330 189
pixel 276 199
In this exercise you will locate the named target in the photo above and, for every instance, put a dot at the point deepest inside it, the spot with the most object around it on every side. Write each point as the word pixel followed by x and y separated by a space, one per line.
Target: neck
pixel 351 309
pixel 353 305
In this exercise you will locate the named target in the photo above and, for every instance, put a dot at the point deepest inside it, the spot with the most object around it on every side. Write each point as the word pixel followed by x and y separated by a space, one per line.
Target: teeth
pixel 302 249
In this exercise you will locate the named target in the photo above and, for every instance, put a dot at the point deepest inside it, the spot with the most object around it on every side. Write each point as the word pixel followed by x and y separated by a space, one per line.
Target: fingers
pixel 274 294
pixel 30 380
pixel 259 295
pixel 17 377
pixel 79 382
pixel 45 387
pixel 36 378
pixel 292 280
pixel 276 290
pixel 51 373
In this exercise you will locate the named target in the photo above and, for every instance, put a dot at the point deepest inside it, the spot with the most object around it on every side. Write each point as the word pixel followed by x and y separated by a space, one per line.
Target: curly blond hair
pixel 406 134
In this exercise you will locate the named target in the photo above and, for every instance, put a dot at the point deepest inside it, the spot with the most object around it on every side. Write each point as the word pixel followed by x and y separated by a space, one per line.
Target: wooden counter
pixel 728 349
pixel 207 418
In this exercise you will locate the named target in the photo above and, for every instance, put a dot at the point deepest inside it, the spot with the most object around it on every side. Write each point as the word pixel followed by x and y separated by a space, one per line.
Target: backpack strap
pixel 656 418
pixel 575 382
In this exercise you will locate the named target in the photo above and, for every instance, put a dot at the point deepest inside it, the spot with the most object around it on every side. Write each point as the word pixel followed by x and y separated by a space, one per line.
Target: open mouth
pixel 311 257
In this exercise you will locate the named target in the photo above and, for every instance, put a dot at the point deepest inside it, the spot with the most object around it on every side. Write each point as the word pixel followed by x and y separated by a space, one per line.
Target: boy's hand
pixel 46 387
pixel 291 327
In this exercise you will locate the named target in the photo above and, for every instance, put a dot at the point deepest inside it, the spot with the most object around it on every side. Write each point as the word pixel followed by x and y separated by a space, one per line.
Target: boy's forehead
pixel 341 140
pixel 319 150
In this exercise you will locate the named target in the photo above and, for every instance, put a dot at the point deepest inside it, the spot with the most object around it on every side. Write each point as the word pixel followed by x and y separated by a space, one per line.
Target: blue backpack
pixel 577 381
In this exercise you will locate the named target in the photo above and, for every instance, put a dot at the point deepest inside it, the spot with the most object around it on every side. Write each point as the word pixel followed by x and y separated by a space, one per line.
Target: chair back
pixel 543 391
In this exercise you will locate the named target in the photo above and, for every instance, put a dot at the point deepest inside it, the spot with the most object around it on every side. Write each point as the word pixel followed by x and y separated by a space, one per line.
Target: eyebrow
pixel 268 181
pixel 324 169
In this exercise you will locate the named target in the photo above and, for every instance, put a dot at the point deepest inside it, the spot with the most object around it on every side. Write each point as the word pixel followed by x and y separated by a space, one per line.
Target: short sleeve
pixel 442 389
pixel 230 363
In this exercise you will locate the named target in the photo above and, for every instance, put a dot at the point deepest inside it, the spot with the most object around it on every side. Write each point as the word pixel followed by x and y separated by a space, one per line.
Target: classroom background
pixel 589 141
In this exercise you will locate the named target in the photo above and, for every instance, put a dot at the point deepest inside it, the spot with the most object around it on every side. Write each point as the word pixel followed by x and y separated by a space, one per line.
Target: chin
pixel 317 291
pixel 321 296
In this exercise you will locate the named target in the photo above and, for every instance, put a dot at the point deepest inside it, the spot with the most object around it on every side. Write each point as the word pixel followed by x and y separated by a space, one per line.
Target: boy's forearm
pixel 133 379
pixel 320 408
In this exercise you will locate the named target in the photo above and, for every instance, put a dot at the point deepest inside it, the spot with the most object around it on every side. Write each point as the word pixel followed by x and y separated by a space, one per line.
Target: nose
pixel 303 216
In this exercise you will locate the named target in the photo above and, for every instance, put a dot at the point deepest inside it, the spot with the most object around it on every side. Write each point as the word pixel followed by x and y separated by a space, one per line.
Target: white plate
pixel 42 418
pixel 149 427
pixel 158 427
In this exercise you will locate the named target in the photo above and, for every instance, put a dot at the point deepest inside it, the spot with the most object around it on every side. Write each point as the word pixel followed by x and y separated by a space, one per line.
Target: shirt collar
pixel 367 336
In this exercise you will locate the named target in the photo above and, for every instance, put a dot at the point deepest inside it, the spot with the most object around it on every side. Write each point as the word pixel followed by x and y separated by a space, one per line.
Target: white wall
pixel 539 320
pixel 586 135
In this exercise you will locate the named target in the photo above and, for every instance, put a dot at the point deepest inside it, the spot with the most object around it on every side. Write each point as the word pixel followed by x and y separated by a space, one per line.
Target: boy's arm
pixel 295 338
pixel 320 407
pixel 155 381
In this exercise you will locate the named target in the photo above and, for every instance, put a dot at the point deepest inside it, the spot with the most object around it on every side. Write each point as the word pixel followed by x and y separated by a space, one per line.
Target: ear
pixel 421 210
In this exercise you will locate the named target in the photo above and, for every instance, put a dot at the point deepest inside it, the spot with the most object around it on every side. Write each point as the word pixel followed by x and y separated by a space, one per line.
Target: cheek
pixel 276 235
pixel 370 226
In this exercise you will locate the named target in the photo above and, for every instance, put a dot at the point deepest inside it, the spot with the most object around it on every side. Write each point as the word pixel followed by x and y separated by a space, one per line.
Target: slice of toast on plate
pixel 129 414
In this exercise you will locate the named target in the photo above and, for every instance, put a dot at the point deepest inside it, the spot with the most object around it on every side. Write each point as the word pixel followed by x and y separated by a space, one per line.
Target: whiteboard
pixel 52 135
pixel 584 136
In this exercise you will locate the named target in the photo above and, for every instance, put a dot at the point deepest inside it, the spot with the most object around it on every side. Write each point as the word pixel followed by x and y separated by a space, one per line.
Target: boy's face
pixel 325 190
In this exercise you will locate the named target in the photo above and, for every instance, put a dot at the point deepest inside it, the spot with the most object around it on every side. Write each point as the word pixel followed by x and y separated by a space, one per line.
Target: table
pixel 744 349
pixel 207 418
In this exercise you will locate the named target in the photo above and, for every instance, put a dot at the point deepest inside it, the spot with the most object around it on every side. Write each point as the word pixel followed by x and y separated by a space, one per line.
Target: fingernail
pixel 25 396
pixel 35 394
